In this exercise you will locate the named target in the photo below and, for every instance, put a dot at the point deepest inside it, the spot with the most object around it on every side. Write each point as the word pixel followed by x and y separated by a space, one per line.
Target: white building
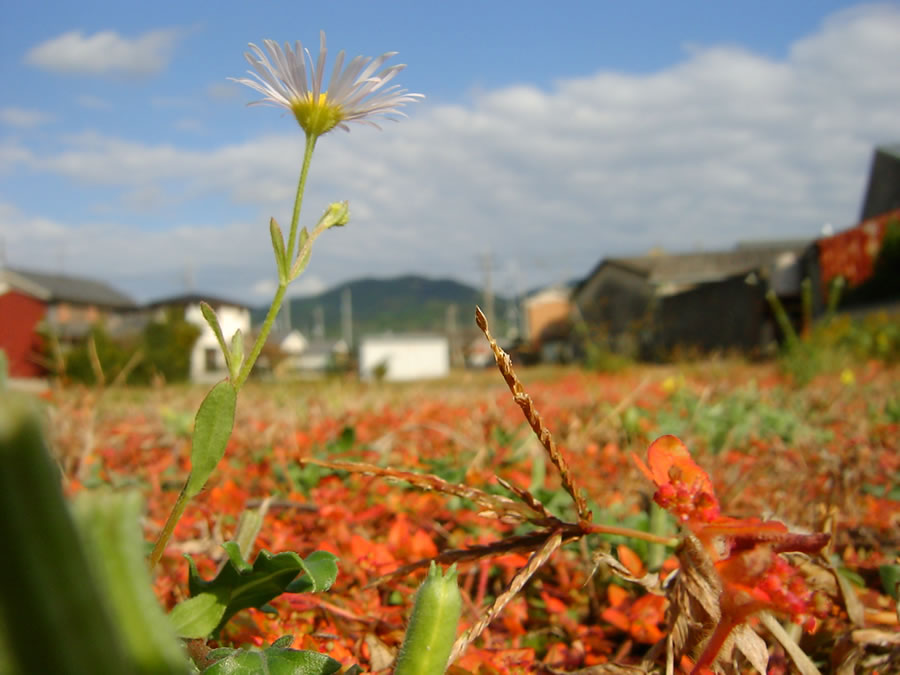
pixel 207 360
pixel 404 357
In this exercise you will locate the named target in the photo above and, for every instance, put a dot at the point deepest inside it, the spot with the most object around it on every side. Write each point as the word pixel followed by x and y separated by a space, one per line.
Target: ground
pixel 822 457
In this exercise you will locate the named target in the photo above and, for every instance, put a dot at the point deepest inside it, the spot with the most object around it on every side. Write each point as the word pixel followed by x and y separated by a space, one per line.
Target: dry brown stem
pixel 538 558
pixel 523 400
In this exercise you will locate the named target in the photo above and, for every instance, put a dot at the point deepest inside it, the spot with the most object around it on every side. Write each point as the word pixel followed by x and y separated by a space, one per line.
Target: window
pixel 212 362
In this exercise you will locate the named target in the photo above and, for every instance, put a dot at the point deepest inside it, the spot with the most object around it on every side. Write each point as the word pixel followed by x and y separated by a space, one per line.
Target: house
pixel 650 304
pixel 207 360
pixel 547 323
pixel 866 256
pixel 404 357
pixel 22 308
pixel 322 355
pixel 883 188
pixel 65 306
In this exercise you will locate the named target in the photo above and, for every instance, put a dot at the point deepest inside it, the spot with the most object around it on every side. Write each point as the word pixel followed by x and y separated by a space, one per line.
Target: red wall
pixel 19 316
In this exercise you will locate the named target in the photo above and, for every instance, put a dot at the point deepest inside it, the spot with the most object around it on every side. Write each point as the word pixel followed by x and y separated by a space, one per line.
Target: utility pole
pixel 488 288
pixel 452 331
pixel 347 317
pixel 319 322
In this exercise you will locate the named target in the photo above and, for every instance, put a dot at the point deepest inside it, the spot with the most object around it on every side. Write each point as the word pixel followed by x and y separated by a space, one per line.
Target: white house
pixel 207 360
pixel 404 357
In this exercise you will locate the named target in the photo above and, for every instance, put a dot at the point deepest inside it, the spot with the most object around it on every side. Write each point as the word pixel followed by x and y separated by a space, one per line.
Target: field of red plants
pixel 820 459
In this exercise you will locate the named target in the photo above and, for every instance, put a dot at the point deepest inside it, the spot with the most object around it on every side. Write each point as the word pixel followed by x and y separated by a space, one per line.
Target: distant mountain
pixel 401 304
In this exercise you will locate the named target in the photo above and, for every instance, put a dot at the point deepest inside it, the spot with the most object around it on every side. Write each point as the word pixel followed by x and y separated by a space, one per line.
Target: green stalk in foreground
pixel 432 626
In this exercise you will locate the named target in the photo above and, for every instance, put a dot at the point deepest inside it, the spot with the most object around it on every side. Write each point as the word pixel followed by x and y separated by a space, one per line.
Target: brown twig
pixel 523 400
pixel 493 506
pixel 523 543
pixel 538 558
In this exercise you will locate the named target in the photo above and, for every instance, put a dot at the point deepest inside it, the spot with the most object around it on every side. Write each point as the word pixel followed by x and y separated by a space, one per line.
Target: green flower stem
pixel 166 534
pixel 590 528
pixel 298 200
pixel 275 307
pixel 262 337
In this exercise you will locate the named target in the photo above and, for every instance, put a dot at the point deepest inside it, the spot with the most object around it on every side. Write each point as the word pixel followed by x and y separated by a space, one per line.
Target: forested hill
pixel 400 304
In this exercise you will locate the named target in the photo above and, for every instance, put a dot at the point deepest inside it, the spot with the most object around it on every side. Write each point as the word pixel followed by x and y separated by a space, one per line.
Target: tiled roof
pixel 694 268
pixel 195 299
pixel 66 288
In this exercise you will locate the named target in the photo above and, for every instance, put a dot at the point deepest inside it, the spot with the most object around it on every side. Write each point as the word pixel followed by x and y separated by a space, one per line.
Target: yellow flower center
pixel 316 117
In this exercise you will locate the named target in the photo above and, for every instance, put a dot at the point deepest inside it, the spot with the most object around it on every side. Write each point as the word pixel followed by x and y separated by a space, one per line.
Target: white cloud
pixel 223 91
pixel 93 102
pixel 105 53
pixel 722 146
pixel 24 118
pixel 306 285
pixel 190 125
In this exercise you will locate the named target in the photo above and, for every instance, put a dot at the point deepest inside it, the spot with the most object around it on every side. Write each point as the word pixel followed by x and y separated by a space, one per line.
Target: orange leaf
pixel 631 560
pixel 554 606
pixel 616 595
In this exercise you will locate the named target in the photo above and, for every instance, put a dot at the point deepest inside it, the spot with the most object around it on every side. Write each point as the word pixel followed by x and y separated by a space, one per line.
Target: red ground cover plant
pixel 471 430
pixel 742 560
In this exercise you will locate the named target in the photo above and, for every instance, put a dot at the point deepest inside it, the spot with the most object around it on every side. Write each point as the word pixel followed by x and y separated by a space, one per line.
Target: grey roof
pixel 195 299
pixel 79 290
pixel 694 268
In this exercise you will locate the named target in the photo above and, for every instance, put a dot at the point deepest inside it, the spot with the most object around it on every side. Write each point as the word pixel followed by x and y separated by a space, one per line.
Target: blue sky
pixel 551 136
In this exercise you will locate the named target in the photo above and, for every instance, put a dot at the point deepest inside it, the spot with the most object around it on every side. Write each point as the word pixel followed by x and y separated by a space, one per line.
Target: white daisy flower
pixel 354 94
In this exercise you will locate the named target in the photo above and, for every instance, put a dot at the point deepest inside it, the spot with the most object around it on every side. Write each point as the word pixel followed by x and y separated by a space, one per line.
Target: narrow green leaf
pixel 237 354
pixel 278 248
pixel 210 315
pixel 116 551
pixel 51 608
pixel 197 617
pixel 303 254
pixel 212 429
pixel 248 528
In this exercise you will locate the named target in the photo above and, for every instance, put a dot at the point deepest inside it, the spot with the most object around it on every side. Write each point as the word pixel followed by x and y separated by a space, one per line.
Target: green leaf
pixel 276 659
pixel 116 550
pixel 239 585
pixel 278 248
pixel 321 571
pixel 52 610
pixel 212 429
pixel 890 580
pixel 248 527
pixel 213 321
pixel 237 353
pixel 196 618
pixel 302 255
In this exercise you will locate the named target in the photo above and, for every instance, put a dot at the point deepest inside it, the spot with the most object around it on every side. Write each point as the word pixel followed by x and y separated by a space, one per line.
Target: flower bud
pixel 432 626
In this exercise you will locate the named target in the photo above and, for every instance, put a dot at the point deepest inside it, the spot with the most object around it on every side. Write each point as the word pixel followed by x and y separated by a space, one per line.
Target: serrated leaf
pixel 239 585
pixel 274 660
pixel 321 571
pixel 196 618
pixel 212 429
